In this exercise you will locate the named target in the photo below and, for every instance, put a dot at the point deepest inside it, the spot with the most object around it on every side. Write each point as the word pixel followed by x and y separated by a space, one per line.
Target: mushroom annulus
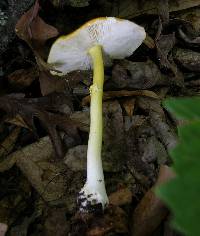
pixel 94 45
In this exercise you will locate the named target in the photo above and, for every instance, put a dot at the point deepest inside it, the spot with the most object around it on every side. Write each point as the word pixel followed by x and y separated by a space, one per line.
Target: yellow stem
pixel 94 163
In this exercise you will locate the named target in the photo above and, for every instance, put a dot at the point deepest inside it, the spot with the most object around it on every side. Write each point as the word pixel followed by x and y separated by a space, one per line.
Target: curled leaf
pixel 122 93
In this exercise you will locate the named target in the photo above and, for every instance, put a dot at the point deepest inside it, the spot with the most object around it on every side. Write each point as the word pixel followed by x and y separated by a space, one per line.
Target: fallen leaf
pixel 27 109
pixel 22 229
pixel 164 44
pixel 50 83
pixel 56 222
pixel 35 162
pixel 151 211
pixel 7 145
pixel 191 15
pixel 136 75
pixel 121 197
pixel 40 150
pixel 164 132
pixel 72 3
pixel 18 121
pixel 188 59
pixel 22 78
pixel 163 11
pixel 32 29
pixel 122 93
pixel 129 9
pixel 3 229
pixel 114 220
pixel 189 40
pixel 129 105
pixel 149 42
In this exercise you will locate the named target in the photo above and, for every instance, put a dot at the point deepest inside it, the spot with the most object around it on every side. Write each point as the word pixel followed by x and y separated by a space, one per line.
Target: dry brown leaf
pixel 56 223
pixel 150 212
pixel 22 78
pixel 120 197
pixel 27 109
pixel 149 42
pixel 3 229
pixel 113 220
pixel 50 84
pixel 136 75
pixel 188 59
pixel 164 45
pixel 35 161
pixel 7 145
pixel 129 105
pixel 18 121
pixel 130 9
pixel 122 93
pixel 32 29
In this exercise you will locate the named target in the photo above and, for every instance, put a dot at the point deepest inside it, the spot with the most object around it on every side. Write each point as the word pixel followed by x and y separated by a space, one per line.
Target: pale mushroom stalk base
pixel 93 195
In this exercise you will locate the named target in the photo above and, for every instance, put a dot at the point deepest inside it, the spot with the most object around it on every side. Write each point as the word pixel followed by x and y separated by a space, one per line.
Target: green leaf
pixel 186 108
pixel 182 194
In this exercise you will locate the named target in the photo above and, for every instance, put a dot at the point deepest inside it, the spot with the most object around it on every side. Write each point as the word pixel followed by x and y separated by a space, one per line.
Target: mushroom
pixel 94 45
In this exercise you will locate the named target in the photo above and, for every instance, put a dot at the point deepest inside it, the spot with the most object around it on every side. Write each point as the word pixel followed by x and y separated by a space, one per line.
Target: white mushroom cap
pixel 118 38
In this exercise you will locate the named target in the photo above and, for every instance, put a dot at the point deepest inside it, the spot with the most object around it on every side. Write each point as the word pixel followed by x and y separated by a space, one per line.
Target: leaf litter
pixel 48 117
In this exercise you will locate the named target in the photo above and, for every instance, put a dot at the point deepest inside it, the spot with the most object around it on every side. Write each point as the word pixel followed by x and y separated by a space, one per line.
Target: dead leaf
pixel 72 3
pixel 163 11
pixel 22 229
pixel 191 15
pixel 7 145
pixel 27 109
pixel 192 42
pixel 164 45
pixel 22 78
pixel 18 121
pixel 32 29
pixel 122 93
pixel 150 211
pixel 40 150
pixel 149 42
pixel 35 32
pixel 3 229
pixel 56 223
pixel 114 220
pixel 130 9
pixel 164 132
pixel 188 59
pixel 121 197
pixel 35 162
pixel 129 105
pixel 136 75
pixel 50 83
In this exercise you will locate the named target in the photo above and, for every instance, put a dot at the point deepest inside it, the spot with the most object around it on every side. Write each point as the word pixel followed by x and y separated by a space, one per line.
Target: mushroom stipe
pixel 94 45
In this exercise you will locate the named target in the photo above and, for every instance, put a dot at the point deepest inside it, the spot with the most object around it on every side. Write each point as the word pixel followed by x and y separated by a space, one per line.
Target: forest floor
pixel 45 119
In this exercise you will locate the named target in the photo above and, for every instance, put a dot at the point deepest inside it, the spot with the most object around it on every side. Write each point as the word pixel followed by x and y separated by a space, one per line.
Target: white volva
pixel 102 38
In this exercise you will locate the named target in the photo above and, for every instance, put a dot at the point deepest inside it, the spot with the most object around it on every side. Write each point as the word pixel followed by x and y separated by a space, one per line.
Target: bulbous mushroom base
pixel 92 199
